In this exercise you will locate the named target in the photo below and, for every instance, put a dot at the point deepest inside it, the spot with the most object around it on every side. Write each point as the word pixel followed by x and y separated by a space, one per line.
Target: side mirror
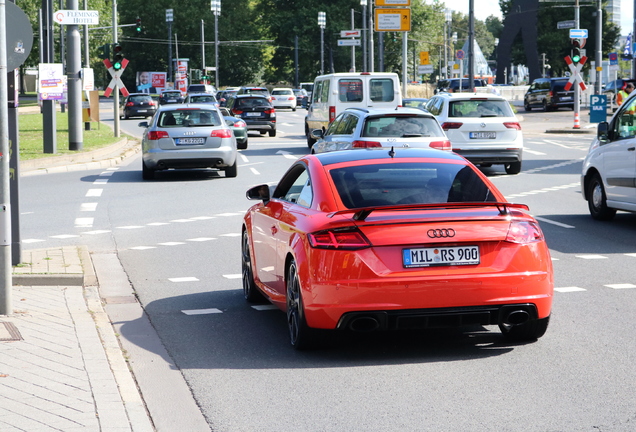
pixel 260 192
pixel 602 132
pixel 143 124
pixel 317 133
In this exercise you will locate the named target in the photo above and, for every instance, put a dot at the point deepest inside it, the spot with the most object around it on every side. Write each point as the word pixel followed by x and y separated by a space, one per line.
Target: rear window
pixel 171 94
pixel 409 183
pixel 382 90
pixel 140 98
pixel 350 90
pixel 559 85
pixel 401 126
pixel 202 99
pixel 282 92
pixel 479 108
pixel 251 102
pixel 189 118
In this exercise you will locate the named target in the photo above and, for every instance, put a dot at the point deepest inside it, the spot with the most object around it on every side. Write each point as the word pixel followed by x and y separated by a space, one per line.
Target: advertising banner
pixel 151 82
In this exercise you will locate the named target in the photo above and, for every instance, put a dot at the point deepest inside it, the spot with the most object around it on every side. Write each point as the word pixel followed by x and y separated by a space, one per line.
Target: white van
pixel 336 92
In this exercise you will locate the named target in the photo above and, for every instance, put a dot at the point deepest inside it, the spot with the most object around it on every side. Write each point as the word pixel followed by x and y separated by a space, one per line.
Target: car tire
pixel 147 173
pixel 294 109
pixel 310 140
pixel 527 107
pixel 545 107
pixel 250 292
pixel 300 334
pixel 231 171
pixel 532 330
pixel 513 167
pixel 272 133
pixel 242 146
pixel 597 201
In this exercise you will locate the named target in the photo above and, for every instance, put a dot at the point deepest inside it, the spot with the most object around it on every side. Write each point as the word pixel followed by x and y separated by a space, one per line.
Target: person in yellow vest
pixel 624 93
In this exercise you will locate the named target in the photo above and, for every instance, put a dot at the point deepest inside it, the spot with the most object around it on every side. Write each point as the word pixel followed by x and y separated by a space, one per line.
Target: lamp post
pixel 215 6
pixel 449 19
pixel 322 22
pixel 453 41
pixel 363 3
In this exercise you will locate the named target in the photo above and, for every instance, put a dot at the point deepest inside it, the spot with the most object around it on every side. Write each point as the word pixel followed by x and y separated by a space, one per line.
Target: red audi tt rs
pixel 408 238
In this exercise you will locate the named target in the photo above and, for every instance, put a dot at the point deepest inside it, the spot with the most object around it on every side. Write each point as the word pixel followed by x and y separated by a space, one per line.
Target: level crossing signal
pixel 576 51
pixel 118 56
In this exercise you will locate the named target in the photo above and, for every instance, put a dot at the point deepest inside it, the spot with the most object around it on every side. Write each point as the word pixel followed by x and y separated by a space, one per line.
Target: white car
pixel 284 98
pixel 481 127
pixel 608 178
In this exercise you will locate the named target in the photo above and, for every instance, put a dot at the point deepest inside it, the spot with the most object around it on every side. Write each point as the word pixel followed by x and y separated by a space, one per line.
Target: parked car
pixel 548 94
pixel 188 136
pixel 387 240
pixel 481 127
pixel 302 98
pixel 223 95
pixel 239 127
pixel 414 102
pixel 201 88
pixel 452 85
pixel 137 105
pixel 284 98
pixel 336 92
pixel 170 96
pixel 363 128
pixel 207 98
pixel 255 110
pixel 609 169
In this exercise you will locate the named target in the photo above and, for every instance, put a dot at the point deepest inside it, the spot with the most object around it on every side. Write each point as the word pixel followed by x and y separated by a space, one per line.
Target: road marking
pixel 171 243
pixel 569 289
pixel 559 165
pixel 64 236
pixel 203 217
pixel 621 286
pixel 254 171
pixel 157 223
pixel 230 235
pixel 544 190
pixel 182 220
pixel 184 279
pixel 562 225
pixel 94 192
pixel 286 154
pixel 84 222
pixel 202 311
pixel 591 256
pixel 143 247
pixel 534 152
pixel 630 255
pixel 100 181
pixel 130 227
pixel 229 214
pixel 201 239
pixel 243 157
pixel 264 307
pixel 96 232
pixel 32 240
pixel 232 276
pixel 88 207
pixel 106 174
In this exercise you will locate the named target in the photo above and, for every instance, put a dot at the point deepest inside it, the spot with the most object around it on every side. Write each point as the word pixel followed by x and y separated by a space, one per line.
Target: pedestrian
pixel 624 93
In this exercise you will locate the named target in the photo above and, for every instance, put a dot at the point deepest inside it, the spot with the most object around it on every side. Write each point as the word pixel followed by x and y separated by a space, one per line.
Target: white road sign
pixel 76 17
pixel 350 33
pixel 348 42
pixel 425 69
pixel 578 33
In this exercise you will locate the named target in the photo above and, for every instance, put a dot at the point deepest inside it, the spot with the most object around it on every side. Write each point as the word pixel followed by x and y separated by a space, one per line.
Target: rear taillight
pixel 441 145
pixel 451 125
pixel 155 135
pixel 512 125
pixel 221 133
pixel 237 112
pixel 240 123
pixel 524 232
pixel 365 144
pixel 332 113
pixel 290 98
pixel 151 103
pixel 346 238
pixel 130 104
pixel 269 111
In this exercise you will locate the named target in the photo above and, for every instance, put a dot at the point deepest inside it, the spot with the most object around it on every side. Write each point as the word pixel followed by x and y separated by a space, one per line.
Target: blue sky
pixel 485 8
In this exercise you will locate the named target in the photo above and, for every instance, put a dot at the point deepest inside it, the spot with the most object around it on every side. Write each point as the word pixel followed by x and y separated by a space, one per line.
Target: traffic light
pixel 138 26
pixel 118 57
pixel 576 51
pixel 104 51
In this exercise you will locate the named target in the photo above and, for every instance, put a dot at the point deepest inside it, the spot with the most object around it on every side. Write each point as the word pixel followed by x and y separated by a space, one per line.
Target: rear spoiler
pixel 360 214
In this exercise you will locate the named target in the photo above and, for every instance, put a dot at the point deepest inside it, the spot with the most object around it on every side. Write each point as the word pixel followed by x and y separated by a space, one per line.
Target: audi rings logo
pixel 441 233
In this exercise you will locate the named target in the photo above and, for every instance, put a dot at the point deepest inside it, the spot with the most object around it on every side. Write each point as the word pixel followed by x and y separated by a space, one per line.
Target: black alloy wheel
pixel 299 333
pixel 250 292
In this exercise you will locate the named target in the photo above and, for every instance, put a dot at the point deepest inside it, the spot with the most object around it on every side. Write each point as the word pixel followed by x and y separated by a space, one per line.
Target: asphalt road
pixel 177 238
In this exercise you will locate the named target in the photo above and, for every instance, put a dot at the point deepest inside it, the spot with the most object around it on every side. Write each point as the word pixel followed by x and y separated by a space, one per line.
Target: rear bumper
pixel 261 125
pixel 191 158
pixel 491 156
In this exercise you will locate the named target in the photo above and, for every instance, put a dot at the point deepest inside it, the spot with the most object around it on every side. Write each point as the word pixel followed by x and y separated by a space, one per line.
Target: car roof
pixel 389 111
pixel 188 106
pixel 330 158
pixel 171 90
pixel 201 94
pixel 243 96
pixel 470 95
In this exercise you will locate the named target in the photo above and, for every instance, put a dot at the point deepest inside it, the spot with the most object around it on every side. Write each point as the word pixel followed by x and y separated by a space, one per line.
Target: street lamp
pixel 322 22
pixel 363 3
pixel 449 20
pixel 215 6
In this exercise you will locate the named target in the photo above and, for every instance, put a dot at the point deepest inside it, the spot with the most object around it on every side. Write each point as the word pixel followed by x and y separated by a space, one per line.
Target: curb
pixel 570 131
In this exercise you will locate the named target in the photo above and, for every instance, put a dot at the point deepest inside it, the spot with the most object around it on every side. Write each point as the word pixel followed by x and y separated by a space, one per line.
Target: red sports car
pixel 387 240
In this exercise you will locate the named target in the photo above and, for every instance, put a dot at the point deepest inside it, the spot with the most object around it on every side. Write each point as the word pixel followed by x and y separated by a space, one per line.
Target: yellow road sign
pixel 424 58
pixel 392 19
pixel 392 3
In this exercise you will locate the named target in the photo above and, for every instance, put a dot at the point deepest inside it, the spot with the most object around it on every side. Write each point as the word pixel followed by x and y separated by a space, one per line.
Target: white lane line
pixel 112 169
pixel 130 227
pixel 184 279
pixel 201 239
pixel 633 255
pixel 254 171
pixel 96 232
pixel 591 256
pixel 26 213
pixel 88 207
pixel 100 181
pixel 84 222
pixel 32 240
pixel 171 243
pixel 232 276
pixel 157 223
pixel 264 307
pixel 202 311
pixel 229 214
pixel 562 225
pixel 621 286
pixel 230 235
pixel 203 217
pixel 106 173
pixel 243 157
pixel 94 192
pixel 143 247
pixel 182 220
pixel 534 152
pixel 569 289
pixel 64 236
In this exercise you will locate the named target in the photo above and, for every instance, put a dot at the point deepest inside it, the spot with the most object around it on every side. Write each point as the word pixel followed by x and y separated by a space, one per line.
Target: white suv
pixel 481 127
pixel 284 98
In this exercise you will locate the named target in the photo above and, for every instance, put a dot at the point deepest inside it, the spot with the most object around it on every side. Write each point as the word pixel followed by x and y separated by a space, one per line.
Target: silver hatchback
pixel 188 136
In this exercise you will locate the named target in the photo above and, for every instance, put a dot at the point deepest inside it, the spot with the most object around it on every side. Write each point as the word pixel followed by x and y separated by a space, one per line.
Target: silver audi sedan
pixel 188 136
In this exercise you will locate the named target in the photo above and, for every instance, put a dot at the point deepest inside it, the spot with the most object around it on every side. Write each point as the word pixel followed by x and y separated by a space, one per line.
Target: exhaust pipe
pixel 364 324
pixel 516 317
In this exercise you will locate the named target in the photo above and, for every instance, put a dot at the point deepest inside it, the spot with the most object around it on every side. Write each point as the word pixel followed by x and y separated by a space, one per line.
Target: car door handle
pixel 631 149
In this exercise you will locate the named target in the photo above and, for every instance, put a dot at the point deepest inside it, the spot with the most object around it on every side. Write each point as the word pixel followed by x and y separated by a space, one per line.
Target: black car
pixel 302 98
pixel 138 105
pixel 170 96
pixel 549 94
pixel 256 110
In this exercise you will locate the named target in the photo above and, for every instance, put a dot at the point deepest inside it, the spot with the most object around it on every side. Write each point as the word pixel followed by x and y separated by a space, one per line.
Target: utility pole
pixel 74 83
pixel 49 123
pixel 6 306
pixel 203 47
pixel 116 88
pixel 169 21
pixel 577 88
pixel 598 87
pixel 471 44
